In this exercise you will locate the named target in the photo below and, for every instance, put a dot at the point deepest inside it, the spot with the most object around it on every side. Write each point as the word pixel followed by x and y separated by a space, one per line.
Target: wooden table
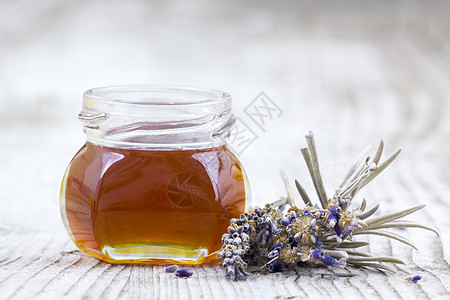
pixel 352 71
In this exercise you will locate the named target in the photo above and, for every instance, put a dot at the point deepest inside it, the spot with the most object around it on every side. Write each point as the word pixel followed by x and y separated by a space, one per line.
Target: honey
pixel 125 205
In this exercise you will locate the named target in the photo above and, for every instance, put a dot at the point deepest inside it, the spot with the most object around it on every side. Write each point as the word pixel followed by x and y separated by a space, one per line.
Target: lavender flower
pixel 171 268
pixel 184 273
pixel 314 235
pixel 285 222
pixel 276 266
pixel 414 278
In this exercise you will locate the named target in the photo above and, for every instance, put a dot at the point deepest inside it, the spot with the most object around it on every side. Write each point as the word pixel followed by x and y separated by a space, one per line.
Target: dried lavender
pixel 413 278
pixel 171 268
pixel 317 235
pixel 184 273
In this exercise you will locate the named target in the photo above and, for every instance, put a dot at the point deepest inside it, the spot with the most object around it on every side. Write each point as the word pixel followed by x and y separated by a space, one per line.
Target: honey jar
pixel 155 181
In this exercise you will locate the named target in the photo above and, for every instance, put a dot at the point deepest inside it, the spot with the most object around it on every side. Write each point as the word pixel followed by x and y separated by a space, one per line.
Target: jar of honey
pixel 155 181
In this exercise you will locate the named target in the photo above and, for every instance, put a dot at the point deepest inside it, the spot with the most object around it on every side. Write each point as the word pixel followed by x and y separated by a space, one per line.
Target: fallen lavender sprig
pixel 317 235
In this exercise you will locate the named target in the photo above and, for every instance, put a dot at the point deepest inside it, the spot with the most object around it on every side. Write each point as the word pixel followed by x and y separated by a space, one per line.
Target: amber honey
pixel 124 205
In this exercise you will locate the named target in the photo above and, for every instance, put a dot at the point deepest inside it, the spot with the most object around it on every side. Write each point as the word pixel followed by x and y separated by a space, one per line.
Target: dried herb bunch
pixel 318 235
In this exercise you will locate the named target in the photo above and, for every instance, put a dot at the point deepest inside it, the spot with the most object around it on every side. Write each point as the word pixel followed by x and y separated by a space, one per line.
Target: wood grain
pixel 351 71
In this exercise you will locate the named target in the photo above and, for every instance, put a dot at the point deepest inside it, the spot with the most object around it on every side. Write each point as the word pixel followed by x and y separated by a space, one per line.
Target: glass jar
pixel 155 181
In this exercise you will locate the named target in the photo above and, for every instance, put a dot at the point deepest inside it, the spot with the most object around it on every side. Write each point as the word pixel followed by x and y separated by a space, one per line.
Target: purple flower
pixel 285 222
pixel 185 272
pixel 318 241
pixel 414 278
pixel 259 212
pixel 332 220
pixel 279 245
pixel 273 254
pixel 338 230
pixel 343 202
pixel 341 263
pixel 355 224
pixel 276 266
pixel 348 230
pixel 336 210
pixel 171 268
pixel 328 261
pixel 292 241
pixel 318 254
pixel 275 251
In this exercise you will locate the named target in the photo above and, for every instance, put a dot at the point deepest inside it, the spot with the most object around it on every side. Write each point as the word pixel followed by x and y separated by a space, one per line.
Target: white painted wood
pixel 352 71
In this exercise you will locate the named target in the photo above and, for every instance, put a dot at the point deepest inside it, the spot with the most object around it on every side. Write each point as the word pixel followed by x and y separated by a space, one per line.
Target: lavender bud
pixel 243 271
pixel 225 237
pixel 284 222
pixel 318 254
pixel 171 268
pixel 414 278
pixel 230 270
pixel 185 272
pixel 341 263
pixel 273 253
pixel 336 210
pixel 276 266
pixel 278 246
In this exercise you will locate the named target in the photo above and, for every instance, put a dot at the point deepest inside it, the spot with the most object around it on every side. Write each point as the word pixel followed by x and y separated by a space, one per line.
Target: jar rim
pixel 148 94
pixel 156 116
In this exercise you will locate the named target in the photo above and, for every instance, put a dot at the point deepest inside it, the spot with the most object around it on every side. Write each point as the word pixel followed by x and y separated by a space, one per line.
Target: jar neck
pixel 156 117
